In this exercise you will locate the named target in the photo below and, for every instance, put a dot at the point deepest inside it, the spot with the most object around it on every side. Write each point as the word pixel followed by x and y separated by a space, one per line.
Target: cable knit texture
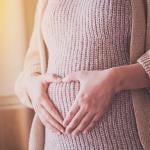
pixel 90 35
pixel 144 60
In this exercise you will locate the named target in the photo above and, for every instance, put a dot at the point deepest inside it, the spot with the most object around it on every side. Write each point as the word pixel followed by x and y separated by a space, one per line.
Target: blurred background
pixel 16 22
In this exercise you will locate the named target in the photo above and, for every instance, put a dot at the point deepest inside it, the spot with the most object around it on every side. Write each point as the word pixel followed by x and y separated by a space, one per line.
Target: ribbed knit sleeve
pixel 31 62
pixel 144 60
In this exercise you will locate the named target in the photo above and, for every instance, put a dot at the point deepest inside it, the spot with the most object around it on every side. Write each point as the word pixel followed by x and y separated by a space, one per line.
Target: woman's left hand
pixel 95 95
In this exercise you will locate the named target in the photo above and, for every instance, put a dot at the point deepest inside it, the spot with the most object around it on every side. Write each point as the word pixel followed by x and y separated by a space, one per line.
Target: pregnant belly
pixel 63 95
pixel 113 122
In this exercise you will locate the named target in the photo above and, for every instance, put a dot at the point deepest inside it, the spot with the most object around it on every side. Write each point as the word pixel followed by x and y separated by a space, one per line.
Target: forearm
pixel 131 77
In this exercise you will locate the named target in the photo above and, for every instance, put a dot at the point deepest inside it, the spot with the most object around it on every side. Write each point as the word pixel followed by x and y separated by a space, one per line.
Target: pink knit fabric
pixel 90 35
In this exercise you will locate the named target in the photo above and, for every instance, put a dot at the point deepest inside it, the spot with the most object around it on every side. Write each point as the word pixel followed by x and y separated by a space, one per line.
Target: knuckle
pixel 82 125
pixel 78 130
pixel 89 129
pixel 86 106
pixel 86 96
pixel 71 114
pixel 81 96
pixel 76 120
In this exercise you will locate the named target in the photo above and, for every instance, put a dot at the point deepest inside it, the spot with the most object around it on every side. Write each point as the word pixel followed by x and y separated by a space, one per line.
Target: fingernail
pixel 62 130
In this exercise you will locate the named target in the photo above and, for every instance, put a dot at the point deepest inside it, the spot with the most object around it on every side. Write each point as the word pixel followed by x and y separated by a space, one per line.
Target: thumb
pixel 71 76
pixel 51 77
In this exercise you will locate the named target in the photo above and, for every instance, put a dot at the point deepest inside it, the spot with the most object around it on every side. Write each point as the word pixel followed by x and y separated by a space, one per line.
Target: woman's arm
pixel 135 76
pixel 131 77
pixel 31 61
pixel 97 89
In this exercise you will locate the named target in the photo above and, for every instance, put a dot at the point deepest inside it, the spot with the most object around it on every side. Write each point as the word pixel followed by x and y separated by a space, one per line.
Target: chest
pixel 86 15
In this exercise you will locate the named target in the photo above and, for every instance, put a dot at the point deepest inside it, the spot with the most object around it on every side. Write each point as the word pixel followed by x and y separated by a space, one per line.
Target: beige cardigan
pixel 36 61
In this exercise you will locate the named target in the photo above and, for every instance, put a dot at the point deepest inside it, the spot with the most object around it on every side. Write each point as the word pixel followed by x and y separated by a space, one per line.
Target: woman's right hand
pixel 37 87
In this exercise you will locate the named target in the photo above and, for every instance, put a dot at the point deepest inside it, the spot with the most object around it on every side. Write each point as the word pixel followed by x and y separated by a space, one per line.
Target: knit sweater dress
pixel 90 35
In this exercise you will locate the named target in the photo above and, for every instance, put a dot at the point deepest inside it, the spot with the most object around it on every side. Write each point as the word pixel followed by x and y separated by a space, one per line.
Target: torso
pixel 90 35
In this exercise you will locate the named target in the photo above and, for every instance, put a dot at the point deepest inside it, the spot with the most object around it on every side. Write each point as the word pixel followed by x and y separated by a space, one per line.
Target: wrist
pixel 118 78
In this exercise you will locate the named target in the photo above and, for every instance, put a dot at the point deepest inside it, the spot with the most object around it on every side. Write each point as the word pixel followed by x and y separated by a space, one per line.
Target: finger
pixel 51 108
pixel 73 110
pixel 50 119
pixel 48 125
pixel 75 107
pixel 75 75
pixel 76 120
pixel 50 78
pixel 83 124
pixel 91 125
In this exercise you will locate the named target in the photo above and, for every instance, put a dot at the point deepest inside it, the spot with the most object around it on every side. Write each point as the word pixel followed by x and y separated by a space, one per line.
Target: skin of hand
pixel 96 91
pixel 36 87
pixel 93 99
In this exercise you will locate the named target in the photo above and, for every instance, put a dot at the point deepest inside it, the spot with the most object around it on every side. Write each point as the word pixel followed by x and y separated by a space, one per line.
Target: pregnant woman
pixel 84 99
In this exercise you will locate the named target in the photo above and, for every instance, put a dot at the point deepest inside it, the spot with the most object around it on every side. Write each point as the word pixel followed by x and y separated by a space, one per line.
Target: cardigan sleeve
pixel 31 63
pixel 144 60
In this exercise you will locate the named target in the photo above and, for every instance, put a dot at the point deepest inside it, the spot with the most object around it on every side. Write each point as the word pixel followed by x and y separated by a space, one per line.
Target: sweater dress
pixel 90 35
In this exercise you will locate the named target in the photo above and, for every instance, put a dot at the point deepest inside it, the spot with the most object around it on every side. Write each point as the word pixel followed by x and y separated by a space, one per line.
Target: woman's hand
pixel 37 86
pixel 96 91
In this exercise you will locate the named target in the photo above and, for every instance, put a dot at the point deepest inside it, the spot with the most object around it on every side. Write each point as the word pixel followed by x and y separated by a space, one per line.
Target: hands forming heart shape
pixel 93 99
